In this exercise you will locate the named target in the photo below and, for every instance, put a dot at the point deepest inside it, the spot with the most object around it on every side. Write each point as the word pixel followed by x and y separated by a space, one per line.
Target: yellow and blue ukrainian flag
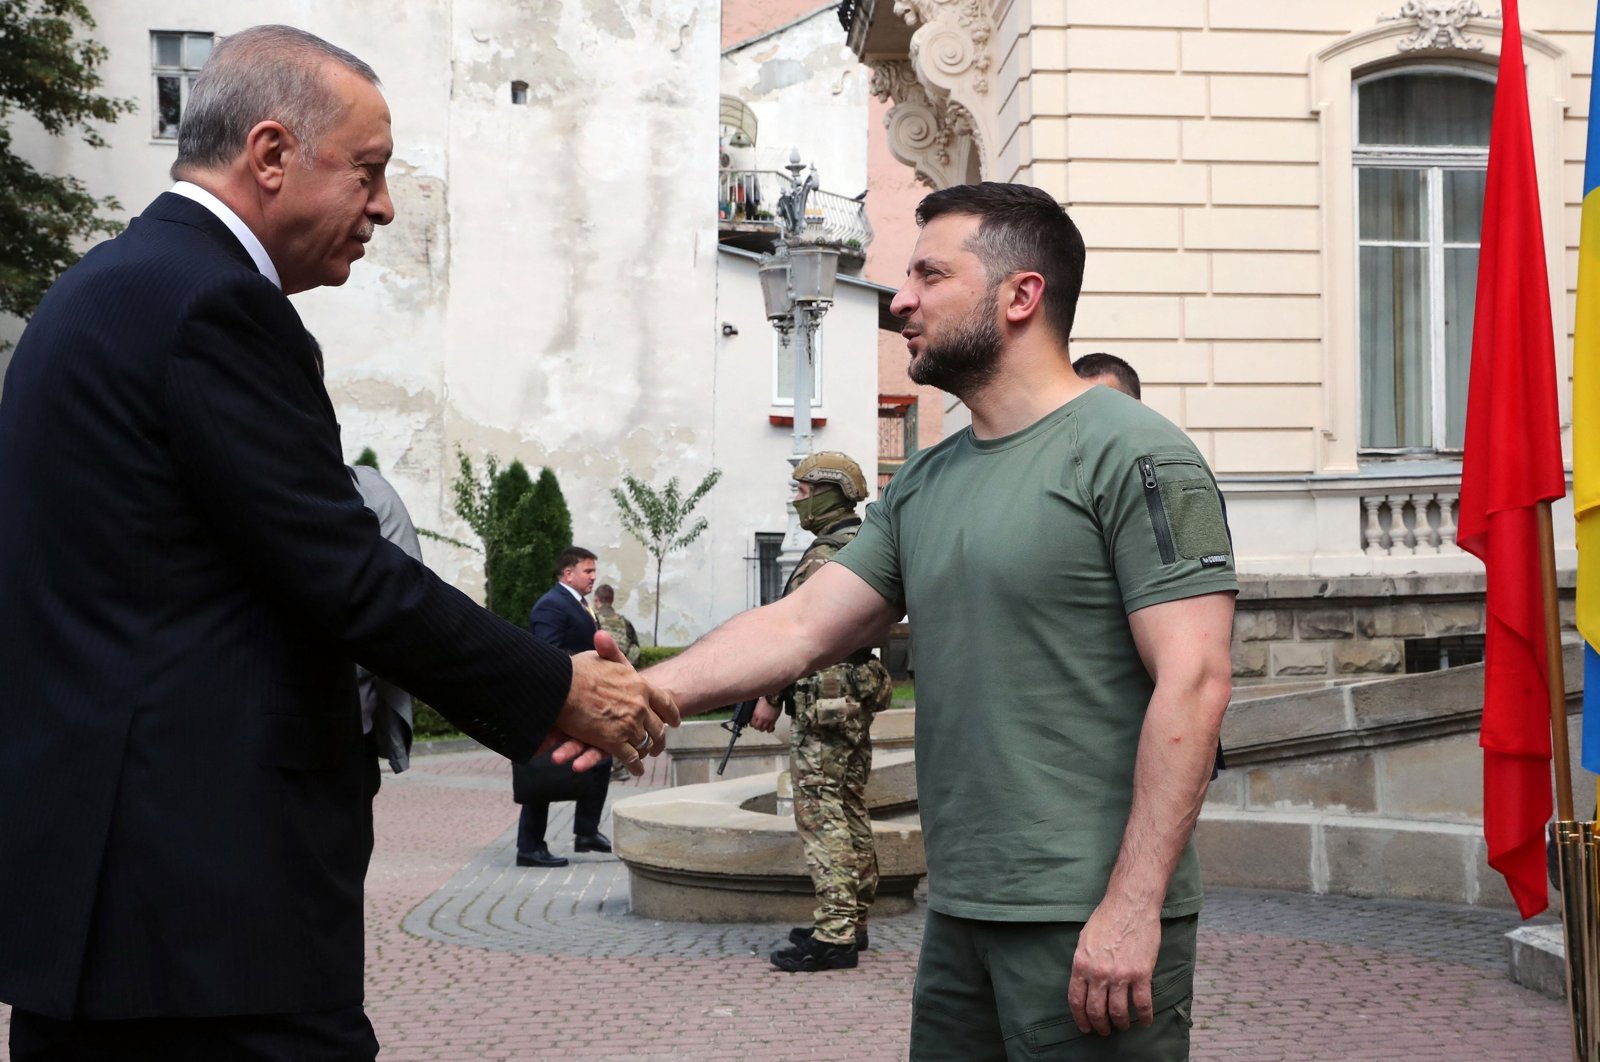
pixel 1586 428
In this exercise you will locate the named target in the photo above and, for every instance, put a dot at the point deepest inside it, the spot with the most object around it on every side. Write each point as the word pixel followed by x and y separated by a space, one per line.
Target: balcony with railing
pixel 897 434
pixel 747 215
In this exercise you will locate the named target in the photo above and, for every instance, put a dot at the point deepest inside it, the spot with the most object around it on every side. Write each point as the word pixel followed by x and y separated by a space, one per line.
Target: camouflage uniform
pixel 829 760
pixel 618 626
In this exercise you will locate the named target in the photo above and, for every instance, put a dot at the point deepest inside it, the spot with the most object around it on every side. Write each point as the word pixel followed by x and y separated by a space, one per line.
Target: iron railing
pixel 897 434
pixel 748 199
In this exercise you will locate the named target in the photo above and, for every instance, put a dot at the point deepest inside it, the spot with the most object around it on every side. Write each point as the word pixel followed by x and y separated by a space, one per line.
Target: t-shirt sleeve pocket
pixel 1185 509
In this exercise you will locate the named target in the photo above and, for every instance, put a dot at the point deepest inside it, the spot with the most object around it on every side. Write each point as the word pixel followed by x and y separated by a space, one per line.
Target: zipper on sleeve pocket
pixel 1158 512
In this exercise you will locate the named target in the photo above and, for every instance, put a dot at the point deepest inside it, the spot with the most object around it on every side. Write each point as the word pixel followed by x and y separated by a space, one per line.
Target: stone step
pixel 1537 958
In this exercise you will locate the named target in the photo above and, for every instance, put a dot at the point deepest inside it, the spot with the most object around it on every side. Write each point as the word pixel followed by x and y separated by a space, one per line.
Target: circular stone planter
pixel 715 852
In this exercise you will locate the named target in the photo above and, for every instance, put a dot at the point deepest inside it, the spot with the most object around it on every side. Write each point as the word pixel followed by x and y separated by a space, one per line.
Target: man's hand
pixel 765 718
pixel 609 711
pixel 1116 958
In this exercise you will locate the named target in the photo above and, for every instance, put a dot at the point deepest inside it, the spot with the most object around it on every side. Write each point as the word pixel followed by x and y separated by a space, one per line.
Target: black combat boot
pixel 811 955
pixel 799 933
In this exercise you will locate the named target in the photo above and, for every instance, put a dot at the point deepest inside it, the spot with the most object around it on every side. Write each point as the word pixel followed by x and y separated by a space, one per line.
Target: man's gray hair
pixel 264 73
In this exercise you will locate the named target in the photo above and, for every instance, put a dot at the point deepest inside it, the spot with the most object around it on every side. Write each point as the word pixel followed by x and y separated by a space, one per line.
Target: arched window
pixel 1420 155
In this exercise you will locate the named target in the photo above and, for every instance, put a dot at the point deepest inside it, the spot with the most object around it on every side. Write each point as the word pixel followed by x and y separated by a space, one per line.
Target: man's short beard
pixel 966 358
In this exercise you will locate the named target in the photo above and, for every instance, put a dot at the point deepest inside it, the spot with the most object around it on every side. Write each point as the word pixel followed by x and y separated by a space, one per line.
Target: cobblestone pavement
pixel 472 958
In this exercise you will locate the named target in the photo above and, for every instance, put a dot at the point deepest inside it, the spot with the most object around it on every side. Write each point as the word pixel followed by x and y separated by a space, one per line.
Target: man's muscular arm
pixel 1184 644
pixel 830 616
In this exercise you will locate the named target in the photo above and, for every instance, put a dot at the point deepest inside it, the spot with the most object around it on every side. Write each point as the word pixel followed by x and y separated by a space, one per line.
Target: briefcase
pixel 541 779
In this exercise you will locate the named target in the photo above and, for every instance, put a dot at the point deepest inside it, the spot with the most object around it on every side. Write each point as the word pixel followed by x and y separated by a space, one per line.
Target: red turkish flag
pixel 1512 463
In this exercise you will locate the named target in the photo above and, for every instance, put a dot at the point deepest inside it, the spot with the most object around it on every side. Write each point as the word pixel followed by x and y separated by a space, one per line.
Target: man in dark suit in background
pixel 564 619
pixel 186 574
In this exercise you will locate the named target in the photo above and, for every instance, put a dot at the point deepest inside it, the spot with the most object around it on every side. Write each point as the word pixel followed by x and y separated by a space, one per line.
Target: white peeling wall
pixel 754 452
pixel 809 91
pixel 582 259
pixel 547 291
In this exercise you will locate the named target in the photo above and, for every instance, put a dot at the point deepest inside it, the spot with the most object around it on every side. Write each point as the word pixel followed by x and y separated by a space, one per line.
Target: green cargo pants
pixel 998 991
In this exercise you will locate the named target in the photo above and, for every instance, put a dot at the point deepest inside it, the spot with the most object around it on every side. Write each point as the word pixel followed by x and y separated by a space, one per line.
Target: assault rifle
pixel 742 715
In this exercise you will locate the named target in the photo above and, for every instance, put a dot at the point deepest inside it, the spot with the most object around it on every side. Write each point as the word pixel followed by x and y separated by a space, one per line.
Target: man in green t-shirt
pixel 1066 567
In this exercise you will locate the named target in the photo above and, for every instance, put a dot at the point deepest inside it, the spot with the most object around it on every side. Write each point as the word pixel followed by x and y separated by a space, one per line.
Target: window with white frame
pixel 175 61
pixel 783 356
pixel 1420 157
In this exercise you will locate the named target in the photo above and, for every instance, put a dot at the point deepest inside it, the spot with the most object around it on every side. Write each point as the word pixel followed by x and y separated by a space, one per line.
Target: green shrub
pixel 429 725
pixel 654 654
pixel 368 457
pixel 522 526
pixel 549 530
pixel 511 583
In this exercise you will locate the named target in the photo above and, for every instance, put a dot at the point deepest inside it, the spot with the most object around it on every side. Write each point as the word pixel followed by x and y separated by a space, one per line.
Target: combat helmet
pixel 833 467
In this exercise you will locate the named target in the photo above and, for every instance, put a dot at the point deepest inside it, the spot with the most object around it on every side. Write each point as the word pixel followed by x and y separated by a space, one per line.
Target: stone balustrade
pixel 1399 522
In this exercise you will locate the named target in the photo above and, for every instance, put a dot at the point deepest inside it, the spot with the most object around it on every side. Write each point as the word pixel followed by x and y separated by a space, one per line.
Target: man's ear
pixel 268 150
pixel 1023 296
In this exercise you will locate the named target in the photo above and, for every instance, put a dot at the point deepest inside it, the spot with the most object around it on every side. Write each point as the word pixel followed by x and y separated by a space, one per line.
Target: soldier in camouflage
pixel 615 624
pixel 831 753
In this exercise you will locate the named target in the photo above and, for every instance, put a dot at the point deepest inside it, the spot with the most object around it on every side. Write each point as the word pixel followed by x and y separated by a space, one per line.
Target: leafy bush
pixel 522 526
pixel 654 654
pixel 511 581
pixel 368 457
pixel 428 724
pixel 548 524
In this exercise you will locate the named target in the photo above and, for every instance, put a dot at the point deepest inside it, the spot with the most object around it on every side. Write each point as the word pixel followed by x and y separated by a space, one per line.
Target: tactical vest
pixel 858 676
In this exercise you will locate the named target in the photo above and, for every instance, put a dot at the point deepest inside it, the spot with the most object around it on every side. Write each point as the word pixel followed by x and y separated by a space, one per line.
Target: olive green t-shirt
pixel 1018 560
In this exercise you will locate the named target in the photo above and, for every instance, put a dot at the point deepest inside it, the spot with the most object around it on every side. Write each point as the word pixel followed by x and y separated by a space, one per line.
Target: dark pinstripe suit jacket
pixel 186 573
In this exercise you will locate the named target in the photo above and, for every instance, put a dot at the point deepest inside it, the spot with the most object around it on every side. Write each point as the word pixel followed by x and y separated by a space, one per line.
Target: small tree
pixel 522 526
pixel 368 457
pixel 657 520
pixel 549 525
pixel 48 72
pixel 536 527
pixel 508 583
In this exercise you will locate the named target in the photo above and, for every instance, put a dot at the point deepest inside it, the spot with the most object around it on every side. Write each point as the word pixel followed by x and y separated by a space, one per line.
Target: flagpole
pixel 1555 674
pixel 1577 856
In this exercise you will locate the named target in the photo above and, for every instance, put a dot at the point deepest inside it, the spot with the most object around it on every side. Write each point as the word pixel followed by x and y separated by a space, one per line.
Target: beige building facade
pixel 1281 204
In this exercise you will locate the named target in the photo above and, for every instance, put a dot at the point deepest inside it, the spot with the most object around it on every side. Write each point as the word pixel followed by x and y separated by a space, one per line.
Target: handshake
pixel 610 711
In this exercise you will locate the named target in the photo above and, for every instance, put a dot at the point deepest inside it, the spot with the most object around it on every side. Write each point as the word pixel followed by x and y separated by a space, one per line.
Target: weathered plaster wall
pixel 744 403
pixel 808 92
pixel 582 270
pixel 547 291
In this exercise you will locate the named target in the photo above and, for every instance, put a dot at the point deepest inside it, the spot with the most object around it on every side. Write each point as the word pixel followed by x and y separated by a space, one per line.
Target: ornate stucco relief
pixel 943 113
pixel 1440 24
pixel 927 132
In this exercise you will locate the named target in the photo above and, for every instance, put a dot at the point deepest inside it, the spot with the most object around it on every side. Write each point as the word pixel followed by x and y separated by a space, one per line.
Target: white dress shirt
pixel 241 231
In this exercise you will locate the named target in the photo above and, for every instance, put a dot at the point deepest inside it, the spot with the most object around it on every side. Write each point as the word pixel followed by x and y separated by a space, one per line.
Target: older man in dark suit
pixel 186 574
pixel 562 618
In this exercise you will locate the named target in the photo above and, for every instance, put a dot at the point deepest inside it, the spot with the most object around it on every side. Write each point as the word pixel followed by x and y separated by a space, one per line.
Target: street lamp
pixel 797 284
